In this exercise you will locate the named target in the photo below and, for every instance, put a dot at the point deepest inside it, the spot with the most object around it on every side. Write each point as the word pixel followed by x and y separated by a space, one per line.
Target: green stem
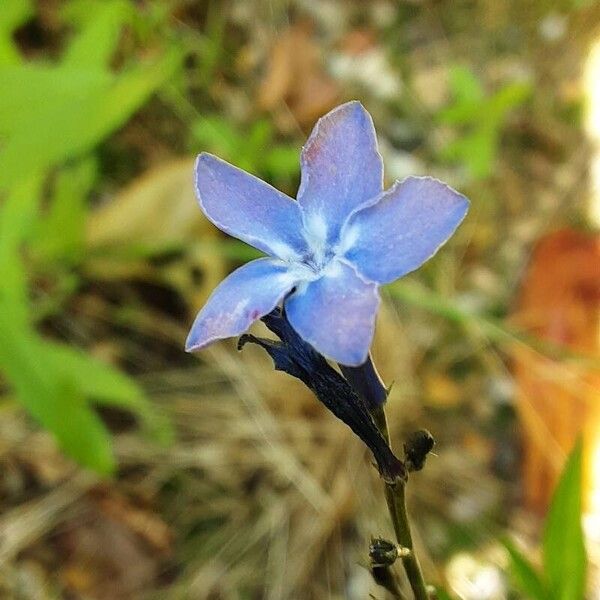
pixel 368 384
pixel 395 496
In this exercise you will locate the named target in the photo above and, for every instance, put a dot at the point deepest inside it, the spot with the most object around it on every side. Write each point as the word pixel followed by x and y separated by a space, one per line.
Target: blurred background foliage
pixel 131 470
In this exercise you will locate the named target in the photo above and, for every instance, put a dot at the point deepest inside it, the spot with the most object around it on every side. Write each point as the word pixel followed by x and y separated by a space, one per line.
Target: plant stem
pixel 372 390
pixel 395 496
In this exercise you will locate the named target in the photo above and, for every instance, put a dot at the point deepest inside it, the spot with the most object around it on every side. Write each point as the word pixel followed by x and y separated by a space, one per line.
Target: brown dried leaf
pixel 158 207
pixel 158 210
pixel 295 77
pixel 560 302
pixel 146 524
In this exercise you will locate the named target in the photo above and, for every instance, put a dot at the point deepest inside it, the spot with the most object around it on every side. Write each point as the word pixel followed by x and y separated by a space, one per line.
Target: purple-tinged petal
pixel 243 297
pixel 336 313
pixel 249 209
pixel 403 229
pixel 341 170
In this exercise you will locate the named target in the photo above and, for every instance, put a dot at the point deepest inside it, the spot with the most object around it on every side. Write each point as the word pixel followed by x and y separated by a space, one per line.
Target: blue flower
pixel 330 250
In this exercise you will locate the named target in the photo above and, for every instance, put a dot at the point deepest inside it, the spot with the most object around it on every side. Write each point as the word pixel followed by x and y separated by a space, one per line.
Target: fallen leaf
pixel 560 302
pixel 156 213
pixel 296 77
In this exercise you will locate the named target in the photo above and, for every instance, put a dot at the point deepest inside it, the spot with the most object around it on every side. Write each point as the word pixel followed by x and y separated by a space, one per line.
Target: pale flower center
pixel 321 253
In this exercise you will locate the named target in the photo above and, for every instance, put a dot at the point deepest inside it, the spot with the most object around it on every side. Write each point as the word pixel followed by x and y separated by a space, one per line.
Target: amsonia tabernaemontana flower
pixel 329 251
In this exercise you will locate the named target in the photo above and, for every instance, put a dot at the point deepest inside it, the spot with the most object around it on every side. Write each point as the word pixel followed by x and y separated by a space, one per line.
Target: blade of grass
pixel 414 294
pixel 524 575
pixel 564 552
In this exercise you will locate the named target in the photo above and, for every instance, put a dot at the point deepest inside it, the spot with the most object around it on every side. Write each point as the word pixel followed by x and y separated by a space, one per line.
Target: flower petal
pixel 249 209
pixel 336 313
pixel 403 229
pixel 341 169
pixel 246 295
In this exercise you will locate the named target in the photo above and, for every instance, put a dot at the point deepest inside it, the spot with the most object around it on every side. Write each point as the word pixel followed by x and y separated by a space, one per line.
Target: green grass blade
pixel 106 385
pixel 97 41
pixel 54 401
pixel 524 575
pixel 564 552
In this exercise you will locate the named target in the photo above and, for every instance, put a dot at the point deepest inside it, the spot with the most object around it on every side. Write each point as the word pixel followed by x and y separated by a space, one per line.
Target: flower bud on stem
pixel 383 554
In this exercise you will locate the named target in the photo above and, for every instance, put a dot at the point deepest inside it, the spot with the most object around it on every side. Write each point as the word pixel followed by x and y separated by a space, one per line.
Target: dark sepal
pixel 278 352
pixel 297 358
pixel 366 382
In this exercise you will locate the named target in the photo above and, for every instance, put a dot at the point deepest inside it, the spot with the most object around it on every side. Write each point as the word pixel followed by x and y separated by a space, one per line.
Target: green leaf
pixel 476 149
pixel 468 97
pixel 55 402
pixel 505 99
pixel 282 161
pixel 95 44
pixel 251 148
pixel 465 85
pixel 17 214
pixel 211 44
pixel 260 135
pixel 50 114
pixel 78 429
pixel 524 575
pixel 479 118
pixel 54 114
pixel 106 385
pixel 33 92
pixel 13 14
pixel 55 383
pixel 563 544
pixel 216 134
pixel 59 236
